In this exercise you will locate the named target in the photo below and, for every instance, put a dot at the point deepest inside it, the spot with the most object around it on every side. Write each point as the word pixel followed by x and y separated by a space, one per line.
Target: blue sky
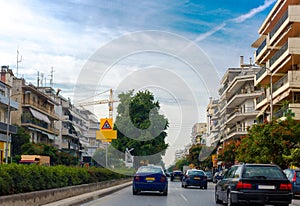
pixel 65 34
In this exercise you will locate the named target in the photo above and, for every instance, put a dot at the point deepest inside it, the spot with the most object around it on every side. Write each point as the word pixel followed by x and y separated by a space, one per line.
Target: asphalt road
pixel 177 196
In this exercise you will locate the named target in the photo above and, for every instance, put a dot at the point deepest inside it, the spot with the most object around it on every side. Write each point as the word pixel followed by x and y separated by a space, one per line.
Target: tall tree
pixel 140 126
pixel 18 139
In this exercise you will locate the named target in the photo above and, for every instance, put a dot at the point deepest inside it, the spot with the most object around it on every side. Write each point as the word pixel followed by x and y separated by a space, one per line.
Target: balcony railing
pixel 263 44
pixel 261 98
pixel 260 72
pixel 32 103
pixel 278 54
pixel 282 81
pixel 279 23
pixel 26 120
pixel 12 128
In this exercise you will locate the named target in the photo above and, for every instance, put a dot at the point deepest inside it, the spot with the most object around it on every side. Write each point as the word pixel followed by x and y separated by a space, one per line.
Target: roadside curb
pixel 87 197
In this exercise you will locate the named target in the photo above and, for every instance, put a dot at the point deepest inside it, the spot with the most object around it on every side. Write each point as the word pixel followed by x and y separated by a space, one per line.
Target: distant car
pixel 209 176
pixel 254 184
pixel 294 177
pixel 150 178
pixel 176 175
pixel 217 176
pixel 194 177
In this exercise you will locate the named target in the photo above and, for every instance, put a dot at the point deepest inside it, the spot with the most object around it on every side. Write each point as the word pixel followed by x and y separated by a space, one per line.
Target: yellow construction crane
pixel 108 101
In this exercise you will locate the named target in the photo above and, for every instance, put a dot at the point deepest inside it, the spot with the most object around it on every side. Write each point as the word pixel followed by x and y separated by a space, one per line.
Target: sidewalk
pixel 87 197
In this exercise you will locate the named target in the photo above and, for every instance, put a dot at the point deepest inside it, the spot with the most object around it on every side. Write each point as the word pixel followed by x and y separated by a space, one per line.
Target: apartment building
pixel 234 112
pixel 213 125
pixel 278 53
pixel 6 106
pixel 36 112
pixel 93 126
pixel 198 131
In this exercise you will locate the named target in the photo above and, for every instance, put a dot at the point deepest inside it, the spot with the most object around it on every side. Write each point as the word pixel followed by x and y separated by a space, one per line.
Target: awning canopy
pixel 39 115
pixel 74 114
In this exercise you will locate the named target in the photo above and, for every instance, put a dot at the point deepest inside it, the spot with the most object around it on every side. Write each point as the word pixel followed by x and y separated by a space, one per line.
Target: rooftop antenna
pixel 38 79
pixel 18 61
pixel 42 79
pixel 51 77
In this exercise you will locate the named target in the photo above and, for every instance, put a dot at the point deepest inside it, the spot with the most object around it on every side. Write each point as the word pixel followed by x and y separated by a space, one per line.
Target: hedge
pixel 15 178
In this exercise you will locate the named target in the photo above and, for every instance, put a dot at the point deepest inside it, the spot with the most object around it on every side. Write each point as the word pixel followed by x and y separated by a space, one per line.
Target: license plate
pixel 197 178
pixel 266 187
pixel 150 178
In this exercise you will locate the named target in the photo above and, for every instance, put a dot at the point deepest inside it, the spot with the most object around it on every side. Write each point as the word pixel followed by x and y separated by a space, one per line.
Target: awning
pixel 74 114
pixel 39 115
pixel 51 136
pixel 86 144
pixel 76 129
pixel 262 111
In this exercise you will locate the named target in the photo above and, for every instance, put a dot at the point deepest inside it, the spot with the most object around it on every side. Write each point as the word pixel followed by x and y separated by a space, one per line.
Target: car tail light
pixel 295 177
pixel 163 179
pixel 243 185
pixel 285 186
pixel 137 178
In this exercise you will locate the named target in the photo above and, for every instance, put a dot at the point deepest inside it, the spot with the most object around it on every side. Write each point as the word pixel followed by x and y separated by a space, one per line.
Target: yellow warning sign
pixel 106 135
pixel 106 124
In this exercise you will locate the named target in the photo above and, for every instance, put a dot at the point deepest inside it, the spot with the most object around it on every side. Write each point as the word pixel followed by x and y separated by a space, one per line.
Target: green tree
pixel 270 142
pixel 19 139
pixel 181 162
pixel 193 156
pixel 140 126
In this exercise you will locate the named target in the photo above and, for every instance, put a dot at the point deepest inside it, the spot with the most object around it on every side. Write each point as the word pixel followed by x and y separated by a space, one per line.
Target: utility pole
pixel 7 127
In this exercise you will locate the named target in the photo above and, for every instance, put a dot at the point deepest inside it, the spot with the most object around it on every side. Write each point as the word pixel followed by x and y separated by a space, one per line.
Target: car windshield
pixel 150 170
pixel 195 172
pixel 264 172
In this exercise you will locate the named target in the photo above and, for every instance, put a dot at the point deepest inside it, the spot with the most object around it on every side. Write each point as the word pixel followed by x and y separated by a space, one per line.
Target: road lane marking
pixel 183 197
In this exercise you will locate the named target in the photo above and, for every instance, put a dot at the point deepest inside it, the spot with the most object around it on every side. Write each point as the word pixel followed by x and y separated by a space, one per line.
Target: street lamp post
pixel 7 128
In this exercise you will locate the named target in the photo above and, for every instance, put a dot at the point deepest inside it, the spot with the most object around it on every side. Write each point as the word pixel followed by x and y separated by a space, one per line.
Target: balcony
pixel 236 100
pixel 241 114
pixel 26 121
pixel 40 108
pixel 236 132
pixel 290 16
pixel 5 100
pixel 260 48
pixel 279 24
pixel 3 128
pixel 295 110
pixel 278 54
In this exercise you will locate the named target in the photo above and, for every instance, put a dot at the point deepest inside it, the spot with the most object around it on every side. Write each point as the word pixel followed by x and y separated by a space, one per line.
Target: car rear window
pixel 150 170
pixel 195 172
pixel 297 174
pixel 265 172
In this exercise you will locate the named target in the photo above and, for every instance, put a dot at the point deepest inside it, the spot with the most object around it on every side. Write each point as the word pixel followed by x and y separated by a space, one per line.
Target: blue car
pixel 150 178
pixel 294 177
pixel 194 177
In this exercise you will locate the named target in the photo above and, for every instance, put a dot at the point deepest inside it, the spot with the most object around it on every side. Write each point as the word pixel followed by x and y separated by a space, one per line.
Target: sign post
pixel 106 134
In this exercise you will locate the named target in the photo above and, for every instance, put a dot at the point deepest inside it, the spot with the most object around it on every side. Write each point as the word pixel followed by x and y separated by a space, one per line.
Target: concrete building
pixel 93 126
pixel 234 112
pixel 36 112
pixel 6 106
pixel 213 123
pixel 198 130
pixel 278 53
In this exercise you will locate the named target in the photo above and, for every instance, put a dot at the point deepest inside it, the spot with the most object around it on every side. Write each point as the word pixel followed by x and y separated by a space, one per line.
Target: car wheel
pixel 205 187
pixel 134 192
pixel 217 200
pixel 181 184
pixel 229 202
pixel 165 192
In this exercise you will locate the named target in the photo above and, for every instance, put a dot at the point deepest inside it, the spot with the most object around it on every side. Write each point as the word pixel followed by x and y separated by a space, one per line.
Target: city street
pixel 177 196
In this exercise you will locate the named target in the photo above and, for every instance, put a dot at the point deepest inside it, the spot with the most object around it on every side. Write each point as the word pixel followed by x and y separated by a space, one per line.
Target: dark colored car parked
pixel 176 175
pixel 294 177
pixel 209 175
pixel 194 177
pixel 150 178
pixel 254 184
